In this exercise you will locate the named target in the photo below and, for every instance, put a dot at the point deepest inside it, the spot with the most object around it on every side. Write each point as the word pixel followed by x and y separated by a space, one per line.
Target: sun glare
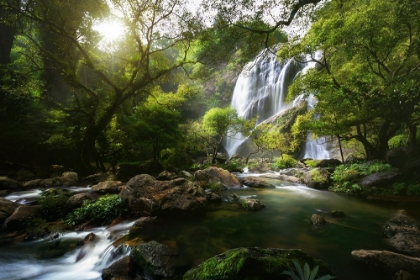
pixel 111 30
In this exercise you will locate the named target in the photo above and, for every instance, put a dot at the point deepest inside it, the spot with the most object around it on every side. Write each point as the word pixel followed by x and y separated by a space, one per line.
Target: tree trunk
pixel 412 134
pixel 7 33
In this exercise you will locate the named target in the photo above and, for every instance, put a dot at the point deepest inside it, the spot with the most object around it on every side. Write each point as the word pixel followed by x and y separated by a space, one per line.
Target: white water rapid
pixel 62 258
pixel 261 90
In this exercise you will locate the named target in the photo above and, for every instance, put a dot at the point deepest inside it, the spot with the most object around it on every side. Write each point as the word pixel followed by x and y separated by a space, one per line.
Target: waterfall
pixel 261 90
pixel 315 148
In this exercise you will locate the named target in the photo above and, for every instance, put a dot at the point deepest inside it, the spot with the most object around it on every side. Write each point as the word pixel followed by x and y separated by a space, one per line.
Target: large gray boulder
pixel 20 215
pixel 157 260
pixel 123 269
pixel 256 182
pixel 251 204
pixel 107 187
pixel 10 184
pixel 399 224
pixel 403 235
pixel 76 200
pixel 216 176
pixel 7 208
pixel 147 196
pixel 253 263
pixel 386 260
pixel 379 179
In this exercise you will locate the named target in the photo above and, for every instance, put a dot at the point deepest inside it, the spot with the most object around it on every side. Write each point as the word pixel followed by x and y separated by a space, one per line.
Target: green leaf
pixel 314 273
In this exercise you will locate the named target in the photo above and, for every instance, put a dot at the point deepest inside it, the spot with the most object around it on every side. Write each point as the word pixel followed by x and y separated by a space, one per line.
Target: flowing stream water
pixel 284 223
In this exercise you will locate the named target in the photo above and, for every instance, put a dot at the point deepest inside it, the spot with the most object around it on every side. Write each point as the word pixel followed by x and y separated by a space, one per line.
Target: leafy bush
pixel 318 177
pixel 285 161
pixel 345 176
pixel 104 210
pixel 311 162
pixel 53 203
pixel 232 166
pixel 216 187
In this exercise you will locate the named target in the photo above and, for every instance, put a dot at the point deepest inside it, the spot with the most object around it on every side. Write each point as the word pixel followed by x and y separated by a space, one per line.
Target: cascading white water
pixel 315 148
pixel 261 90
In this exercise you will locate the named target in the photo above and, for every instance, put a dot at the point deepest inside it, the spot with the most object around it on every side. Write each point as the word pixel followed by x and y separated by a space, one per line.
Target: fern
pixel 305 273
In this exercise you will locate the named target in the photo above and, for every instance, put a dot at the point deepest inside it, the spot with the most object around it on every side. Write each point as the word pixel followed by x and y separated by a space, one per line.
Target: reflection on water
pixel 284 223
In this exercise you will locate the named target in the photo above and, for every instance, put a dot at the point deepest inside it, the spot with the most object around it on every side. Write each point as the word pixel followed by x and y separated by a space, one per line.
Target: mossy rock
pixel 253 263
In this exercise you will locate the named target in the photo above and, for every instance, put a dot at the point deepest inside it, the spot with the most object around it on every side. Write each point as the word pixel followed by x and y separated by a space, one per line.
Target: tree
pixel 219 124
pixel 367 78
pixel 101 80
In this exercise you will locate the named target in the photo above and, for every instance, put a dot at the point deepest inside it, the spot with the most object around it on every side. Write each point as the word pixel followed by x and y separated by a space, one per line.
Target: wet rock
pixel 25 175
pixel 147 196
pixel 70 175
pixel 107 187
pixel 256 182
pixel 96 178
pixel 378 179
pixel 328 163
pixel 253 263
pixel 76 200
pixel 285 177
pixel 156 259
pixel 186 175
pixel 32 184
pixel 235 196
pixel 214 175
pixel 141 223
pixel 389 261
pixel 337 214
pixel 7 208
pixel 403 235
pixel 317 179
pixel 88 243
pixel 213 197
pixel 166 175
pixel 123 269
pixel 20 215
pixel 399 224
pixel 251 204
pixel 318 220
pixel 404 275
pixel 10 184
pixel 406 242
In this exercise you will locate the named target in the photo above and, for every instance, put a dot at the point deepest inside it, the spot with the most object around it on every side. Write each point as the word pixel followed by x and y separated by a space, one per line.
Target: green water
pixel 285 223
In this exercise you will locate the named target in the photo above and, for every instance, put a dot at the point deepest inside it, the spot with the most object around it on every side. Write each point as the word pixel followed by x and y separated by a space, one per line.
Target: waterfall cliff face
pixel 261 90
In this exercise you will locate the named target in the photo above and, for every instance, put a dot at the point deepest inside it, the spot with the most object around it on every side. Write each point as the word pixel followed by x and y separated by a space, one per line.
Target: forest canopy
pixel 73 94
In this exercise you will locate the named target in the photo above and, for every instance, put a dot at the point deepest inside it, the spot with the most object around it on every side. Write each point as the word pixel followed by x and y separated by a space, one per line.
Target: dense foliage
pixel 103 211
pixel 368 76
pixel 160 92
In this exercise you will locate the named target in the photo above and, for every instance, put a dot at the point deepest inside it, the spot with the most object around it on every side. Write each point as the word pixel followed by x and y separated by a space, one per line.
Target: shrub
pixel 311 162
pixel 285 161
pixel 232 166
pixel 104 210
pixel 345 176
pixel 318 177
pixel 53 203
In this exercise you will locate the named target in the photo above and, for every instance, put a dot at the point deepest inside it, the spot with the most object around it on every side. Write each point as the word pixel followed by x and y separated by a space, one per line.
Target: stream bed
pixel 284 223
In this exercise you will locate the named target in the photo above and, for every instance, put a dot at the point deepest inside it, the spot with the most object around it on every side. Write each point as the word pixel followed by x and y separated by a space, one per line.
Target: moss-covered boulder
pixel 157 260
pixel 253 263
